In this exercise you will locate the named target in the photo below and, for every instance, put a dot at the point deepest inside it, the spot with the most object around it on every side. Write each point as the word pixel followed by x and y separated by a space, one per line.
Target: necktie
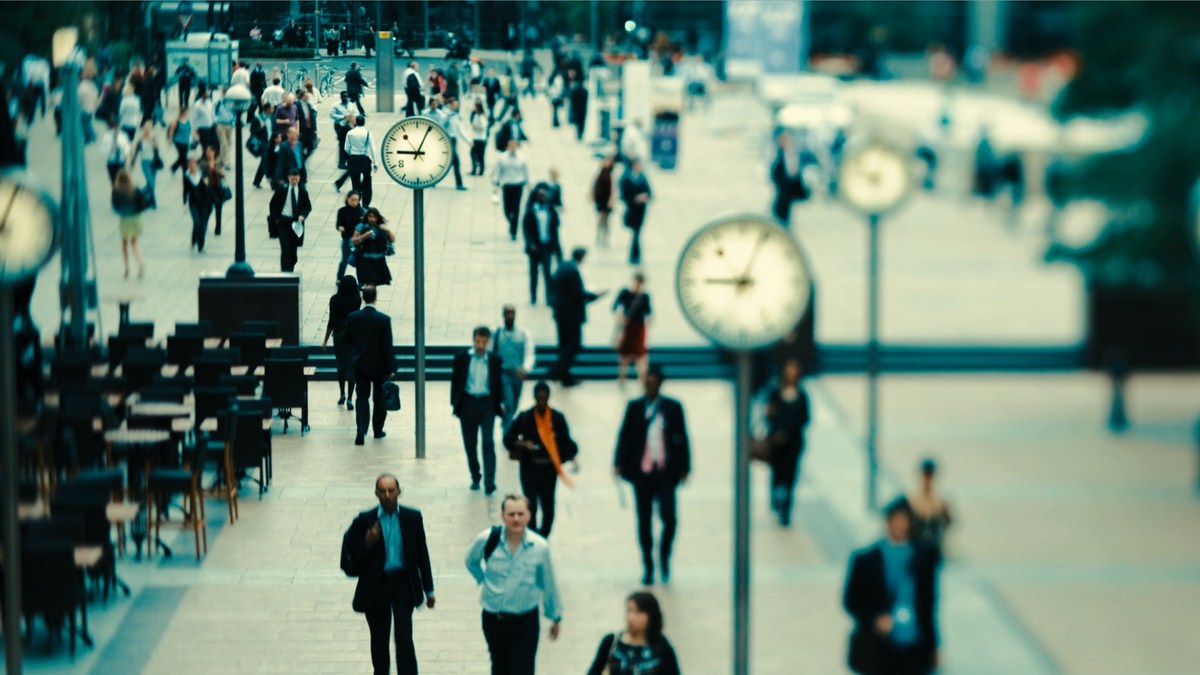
pixel 292 196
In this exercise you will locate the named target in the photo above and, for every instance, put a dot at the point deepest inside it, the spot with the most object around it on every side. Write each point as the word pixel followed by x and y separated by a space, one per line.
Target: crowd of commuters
pixel 891 586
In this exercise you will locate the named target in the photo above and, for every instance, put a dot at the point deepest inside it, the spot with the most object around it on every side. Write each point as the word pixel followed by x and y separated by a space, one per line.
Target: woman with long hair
pixel 371 242
pixel 640 649
pixel 785 414
pixel 479 136
pixel 129 203
pixel 214 174
pixel 181 135
pixel 632 311
pixel 341 304
pixel 602 196
pixel 199 201
pixel 146 151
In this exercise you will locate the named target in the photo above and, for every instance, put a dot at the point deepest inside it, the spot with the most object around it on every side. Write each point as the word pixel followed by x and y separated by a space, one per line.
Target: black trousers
pixel 478 149
pixel 182 159
pixel 341 132
pixel 785 470
pixel 512 206
pixel 542 260
pixel 454 163
pixel 200 214
pixel 360 176
pixel 395 601
pixel 208 137
pixel 512 641
pixel 414 104
pixel 645 493
pixel 570 337
pixel 185 93
pixel 538 482
pixel 358 103
pixel 367 386
pixel 288 244
pixel 476 415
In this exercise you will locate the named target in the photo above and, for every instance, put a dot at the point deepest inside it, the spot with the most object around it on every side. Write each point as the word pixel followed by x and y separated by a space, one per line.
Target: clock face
pixel 743 282
pixel 874 179
pixel 416 152
pixel 28 232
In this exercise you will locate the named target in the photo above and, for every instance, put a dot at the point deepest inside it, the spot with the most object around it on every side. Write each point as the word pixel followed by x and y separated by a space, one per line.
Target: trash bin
pixel 664 140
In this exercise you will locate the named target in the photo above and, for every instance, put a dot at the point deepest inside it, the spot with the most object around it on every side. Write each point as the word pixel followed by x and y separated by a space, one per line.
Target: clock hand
pixel 422 143
pixel 416 153
pixel 8 209
pixel 762 237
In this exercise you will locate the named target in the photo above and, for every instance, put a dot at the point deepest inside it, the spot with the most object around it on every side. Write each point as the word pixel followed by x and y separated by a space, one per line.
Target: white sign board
pixel 201 51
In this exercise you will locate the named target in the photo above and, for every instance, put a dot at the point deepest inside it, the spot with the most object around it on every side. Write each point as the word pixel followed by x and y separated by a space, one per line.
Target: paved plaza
pixel 1074 551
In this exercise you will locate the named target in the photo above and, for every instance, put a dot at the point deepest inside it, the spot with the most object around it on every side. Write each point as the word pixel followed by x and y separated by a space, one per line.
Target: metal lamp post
pixel 239 98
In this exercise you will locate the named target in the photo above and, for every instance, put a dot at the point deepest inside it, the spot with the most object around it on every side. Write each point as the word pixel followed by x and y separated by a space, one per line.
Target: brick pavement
pixel 983 283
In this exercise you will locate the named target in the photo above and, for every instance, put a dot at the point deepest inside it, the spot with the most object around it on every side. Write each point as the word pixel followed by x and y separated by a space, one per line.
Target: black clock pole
pixel 419 319
pixel 8 484
pixel 741 517
pixel 872 358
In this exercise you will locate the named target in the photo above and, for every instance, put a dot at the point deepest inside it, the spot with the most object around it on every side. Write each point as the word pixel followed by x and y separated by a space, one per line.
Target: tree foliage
pixel 1140 57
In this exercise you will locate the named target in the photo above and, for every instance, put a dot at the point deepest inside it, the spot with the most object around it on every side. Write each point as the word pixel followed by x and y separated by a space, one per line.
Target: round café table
pixel 140 447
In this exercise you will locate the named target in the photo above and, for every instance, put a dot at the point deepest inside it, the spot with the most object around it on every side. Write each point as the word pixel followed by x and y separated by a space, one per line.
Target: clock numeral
pixel 400 162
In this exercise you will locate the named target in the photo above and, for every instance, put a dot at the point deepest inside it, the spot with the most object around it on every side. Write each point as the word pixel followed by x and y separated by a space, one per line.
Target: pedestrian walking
pixel 491 92
pixel 476 398
pixel 270 158
pixel 204 118
pixel 289 158
pixel 455 129
pixel 185 76
pixel 511 129
pixel 639 649
pixel 787 175
pixel 512 565
pixel 273 94
pixel 348 218
pixel 130 113
pixel 654 456
pixel 214 175
pixel 603 197
pixel 781 416
pixel 414 101
pixel 306 119
pixel 635 193
pixel 631 314
pixel 515 347
pixel 360 159
pixel 339 113
pixel 369 334
pixel 577 99
pixel 258 86
pixel 510 174
pixel 225 119
pixel 181 135
pixel 287 114
pixel 372 241
pixel 129 203
pixel 540 440
pixel 540 228
pixel 478 134
pixel 290 208
pixel 891 594
pixel 145 151
pixel 571 299
pixel 355 84
pixel 89 101
pixel 342 304
pixel 385 548
pixel 199 199
pixel 931 514
pixel 116 148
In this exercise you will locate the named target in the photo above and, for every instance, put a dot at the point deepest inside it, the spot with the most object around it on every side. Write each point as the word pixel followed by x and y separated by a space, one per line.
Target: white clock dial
pixel 874 178
pixel 743 282
pixel 416 152
pixel 28 227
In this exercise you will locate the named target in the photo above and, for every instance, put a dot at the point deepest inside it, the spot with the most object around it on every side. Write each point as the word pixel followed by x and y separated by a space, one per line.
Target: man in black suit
pixel 540 226
pixel 788 178
pixel 891 593
pixel 290 158
pixel 355 85
pixel 289 210
pixel 385 548
pixel 476 396
pixel 653 455
pixel 511 129
pixel 369 334
pixel 570 313
pixel 258 84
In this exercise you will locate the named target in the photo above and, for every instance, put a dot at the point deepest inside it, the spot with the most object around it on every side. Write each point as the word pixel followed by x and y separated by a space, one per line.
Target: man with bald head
pixel 385 548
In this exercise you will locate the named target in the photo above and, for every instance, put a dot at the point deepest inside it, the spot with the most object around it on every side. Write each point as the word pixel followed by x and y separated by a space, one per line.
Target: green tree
pixel 1140 57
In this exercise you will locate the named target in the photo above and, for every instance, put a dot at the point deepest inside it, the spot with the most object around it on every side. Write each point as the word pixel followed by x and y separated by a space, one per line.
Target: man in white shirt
pixel 273 94
pixel 130 113
pixel 338 113
pixel 515 348
pixel 116 151
pixel 360 158
pixel 513 568
pixel 241 75
pixel 511 173
pixel 453 124
pixel 89 100
pixel 412 90
pixel 35 76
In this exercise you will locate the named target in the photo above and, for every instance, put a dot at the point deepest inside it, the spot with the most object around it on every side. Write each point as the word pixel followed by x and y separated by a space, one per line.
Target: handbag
pixel 226 194
pixel 255 146
pixel 391 393
pixel 390 250
pixel 157 164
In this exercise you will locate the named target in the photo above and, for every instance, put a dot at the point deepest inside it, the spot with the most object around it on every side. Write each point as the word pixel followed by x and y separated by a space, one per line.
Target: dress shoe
pixel 461 187
pixel 349 404
pixel 489 490
pixel 341 400
pixel 475 485
pixel 648 578
pixel 380 434
pixel 666 572
pixel 358 440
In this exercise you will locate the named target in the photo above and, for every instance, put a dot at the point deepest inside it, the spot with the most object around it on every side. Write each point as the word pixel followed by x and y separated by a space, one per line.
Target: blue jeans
pixel 345 254
pixel 150 174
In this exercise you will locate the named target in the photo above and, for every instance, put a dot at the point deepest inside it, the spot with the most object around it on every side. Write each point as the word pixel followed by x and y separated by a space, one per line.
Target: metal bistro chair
pixel 253 348
pixel 183 348
pixel 244 450
pixel 268 328
pixel 212 364
pixel 287 387
pixel 262 406
pixel 142 366
pixel 52 586
pixel 245 385
pixel 164 482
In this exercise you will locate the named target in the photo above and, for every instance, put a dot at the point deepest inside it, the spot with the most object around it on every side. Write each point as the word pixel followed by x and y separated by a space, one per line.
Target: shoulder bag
pixel 612 650
pixel 391 392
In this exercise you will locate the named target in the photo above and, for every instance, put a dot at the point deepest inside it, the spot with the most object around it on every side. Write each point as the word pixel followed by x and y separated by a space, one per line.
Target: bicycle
pixel 291 85
pixel 329 82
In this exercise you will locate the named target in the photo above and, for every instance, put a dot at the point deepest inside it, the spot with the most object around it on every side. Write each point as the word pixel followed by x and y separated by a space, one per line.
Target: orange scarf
pixel 545 430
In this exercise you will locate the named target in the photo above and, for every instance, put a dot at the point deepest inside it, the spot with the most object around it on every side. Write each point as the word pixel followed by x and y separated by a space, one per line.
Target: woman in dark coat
pixel 341 304
pixel 602 197
pixel 786 416
pixel 541 441
pixel 371 242
pixel 640 649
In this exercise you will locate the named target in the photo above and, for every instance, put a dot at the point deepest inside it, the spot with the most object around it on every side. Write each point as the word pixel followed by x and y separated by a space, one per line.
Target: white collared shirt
pixel 359 142
pixel 510 169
